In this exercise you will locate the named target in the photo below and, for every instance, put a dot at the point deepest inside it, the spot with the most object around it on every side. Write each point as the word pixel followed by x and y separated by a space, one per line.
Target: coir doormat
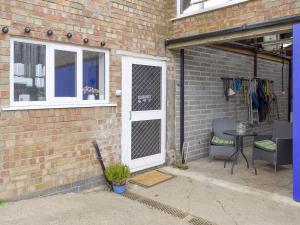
pixel 150 178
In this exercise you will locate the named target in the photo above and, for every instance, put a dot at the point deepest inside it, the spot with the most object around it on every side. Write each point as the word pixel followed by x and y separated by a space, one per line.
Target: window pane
pixel 29 72
pixel 65 73
pixel 189 6
pixel 93 75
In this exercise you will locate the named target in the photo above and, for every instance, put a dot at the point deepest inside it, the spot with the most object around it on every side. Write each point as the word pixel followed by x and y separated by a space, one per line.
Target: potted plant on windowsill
pixel 90 92
pixel 118 174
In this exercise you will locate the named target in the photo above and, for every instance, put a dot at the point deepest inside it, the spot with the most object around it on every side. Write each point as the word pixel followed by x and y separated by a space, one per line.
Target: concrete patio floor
pixel 280 182
pixel 95 207
pixel 209 191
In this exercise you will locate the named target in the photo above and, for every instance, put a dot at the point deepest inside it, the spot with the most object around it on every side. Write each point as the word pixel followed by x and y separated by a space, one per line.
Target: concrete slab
pixel 224 200
pixel 266 180
pixel 89 208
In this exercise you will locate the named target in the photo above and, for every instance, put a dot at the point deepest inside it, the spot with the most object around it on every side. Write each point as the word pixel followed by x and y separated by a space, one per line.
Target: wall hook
pixel 102 43
pixel 69 35
pixel 49 32
pixel 27 30
pixel 85 40
pixel 5 29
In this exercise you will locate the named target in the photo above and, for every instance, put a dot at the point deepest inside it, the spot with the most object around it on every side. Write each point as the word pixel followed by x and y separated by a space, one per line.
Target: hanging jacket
pixel 255 101
pixel 263 101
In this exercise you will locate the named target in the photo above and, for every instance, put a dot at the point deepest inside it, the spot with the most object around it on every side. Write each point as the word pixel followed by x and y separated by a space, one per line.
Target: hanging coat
pixel 262 100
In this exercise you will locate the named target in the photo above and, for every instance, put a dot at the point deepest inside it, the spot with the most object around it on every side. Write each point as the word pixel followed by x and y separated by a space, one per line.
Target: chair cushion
pixel 266 145
pixel 221 142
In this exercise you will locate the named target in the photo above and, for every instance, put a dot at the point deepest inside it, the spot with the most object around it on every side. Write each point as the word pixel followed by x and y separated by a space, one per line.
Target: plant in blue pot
pixel 118 174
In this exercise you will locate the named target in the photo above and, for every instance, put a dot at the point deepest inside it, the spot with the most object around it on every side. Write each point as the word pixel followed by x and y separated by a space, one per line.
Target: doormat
pixel 150 178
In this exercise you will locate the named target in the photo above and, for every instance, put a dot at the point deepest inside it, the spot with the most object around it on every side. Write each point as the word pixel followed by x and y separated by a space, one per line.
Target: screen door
pixel 143 112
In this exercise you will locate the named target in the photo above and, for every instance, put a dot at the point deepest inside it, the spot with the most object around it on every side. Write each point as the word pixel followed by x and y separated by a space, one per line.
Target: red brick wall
pixel 251 12
pixel 41 149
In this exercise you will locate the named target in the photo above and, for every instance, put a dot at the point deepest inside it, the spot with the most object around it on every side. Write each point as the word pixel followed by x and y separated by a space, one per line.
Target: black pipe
pixel 243 28
pixel 100 159
pixel 282 77
pixel 290 88
pixel 255 63
pixel 182 104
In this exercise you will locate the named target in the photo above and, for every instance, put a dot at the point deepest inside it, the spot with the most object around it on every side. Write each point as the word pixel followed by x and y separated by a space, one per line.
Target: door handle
pixel 130 115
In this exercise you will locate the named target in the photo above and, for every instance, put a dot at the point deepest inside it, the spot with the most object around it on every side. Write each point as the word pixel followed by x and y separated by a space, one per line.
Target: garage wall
pixel 204 98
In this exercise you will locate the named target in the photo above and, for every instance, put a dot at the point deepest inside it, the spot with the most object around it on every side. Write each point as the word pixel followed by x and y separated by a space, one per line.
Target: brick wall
pixel 204 98
pixel 45 149
pixel 254 11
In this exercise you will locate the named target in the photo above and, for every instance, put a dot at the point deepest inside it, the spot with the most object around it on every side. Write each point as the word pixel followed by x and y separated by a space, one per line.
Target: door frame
pixel 127 61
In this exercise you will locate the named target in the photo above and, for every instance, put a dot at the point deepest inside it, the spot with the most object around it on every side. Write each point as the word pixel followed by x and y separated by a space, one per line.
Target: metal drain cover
pixel 200 221
pixel 193 220
pixel 164 208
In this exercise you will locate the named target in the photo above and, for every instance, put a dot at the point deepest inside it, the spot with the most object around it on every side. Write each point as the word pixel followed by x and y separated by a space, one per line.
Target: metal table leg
pixel 234 162
pixel 242 151
pixel 234 156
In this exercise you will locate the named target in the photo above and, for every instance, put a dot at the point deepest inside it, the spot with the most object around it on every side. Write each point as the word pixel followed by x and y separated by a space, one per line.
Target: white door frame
pixel 128 116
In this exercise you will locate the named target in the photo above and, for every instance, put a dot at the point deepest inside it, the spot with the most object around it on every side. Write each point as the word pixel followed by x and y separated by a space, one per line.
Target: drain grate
pixel 200 221
pixel 193 220
pixel 164 208
pixel 131 196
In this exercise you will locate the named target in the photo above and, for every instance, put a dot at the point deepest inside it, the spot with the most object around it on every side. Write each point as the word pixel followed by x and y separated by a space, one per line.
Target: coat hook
pixel 5 29
pixel 27 30
pixel 49 32
pixel 102 43
pixel 85 40
pixel 69 35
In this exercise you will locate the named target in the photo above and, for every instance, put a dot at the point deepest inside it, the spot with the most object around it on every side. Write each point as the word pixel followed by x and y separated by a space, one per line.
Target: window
pixel 50 74
pixel 190 7
pixel 65 73
pixel 93 75
pixel 29 72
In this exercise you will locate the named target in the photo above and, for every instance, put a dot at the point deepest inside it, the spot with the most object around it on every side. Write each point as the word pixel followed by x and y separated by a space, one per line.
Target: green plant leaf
pixel 2 203
pixel 117 173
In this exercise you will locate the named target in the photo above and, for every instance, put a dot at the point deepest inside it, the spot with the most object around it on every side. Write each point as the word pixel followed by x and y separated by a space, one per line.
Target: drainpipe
pixel 182 104
pixel 282 74
pixel 296 112
pixel 255 63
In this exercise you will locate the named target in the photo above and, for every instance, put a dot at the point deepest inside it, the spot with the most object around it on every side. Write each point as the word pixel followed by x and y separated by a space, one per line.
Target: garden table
pixel 239 148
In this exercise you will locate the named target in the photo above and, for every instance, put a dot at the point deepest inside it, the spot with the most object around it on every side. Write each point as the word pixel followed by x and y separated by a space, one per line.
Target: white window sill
pixel 182 16
pixel 16 108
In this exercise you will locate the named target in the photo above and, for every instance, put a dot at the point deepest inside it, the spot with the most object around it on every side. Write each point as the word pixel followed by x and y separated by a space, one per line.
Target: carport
pixel 238 36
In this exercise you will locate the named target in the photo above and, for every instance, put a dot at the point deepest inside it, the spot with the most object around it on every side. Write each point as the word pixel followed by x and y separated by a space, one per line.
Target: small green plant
pixel 180 165
pixel 1 203
pixel 117 173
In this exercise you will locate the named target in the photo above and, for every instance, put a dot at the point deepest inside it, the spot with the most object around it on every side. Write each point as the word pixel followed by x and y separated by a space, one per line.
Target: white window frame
pixel 59 102
pixel 227 4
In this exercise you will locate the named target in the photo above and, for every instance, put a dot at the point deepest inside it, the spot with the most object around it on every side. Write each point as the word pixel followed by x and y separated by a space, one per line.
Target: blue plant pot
pixel 119 189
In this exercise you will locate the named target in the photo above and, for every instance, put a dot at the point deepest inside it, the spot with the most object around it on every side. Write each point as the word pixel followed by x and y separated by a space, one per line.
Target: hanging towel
pixel 237 84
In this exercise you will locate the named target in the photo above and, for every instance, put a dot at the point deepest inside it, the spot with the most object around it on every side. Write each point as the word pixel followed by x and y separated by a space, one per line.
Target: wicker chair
pixel 282 154
pixel 218 127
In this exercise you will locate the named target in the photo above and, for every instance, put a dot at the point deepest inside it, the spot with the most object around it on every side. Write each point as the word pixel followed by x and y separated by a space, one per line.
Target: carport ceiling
pixel 279 45
pixel 282 26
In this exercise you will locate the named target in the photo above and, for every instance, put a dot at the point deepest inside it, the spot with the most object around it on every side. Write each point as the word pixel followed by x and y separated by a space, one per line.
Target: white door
pixel 143 112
